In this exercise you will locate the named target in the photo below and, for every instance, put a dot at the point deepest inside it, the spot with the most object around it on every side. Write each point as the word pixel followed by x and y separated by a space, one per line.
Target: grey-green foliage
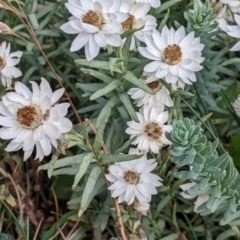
pixel 213 174
pixel 201 16
pixel 201 21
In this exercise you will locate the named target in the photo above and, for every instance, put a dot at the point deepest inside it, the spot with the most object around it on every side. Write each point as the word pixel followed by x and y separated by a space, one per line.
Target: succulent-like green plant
pixel 201 16
pixel 213 174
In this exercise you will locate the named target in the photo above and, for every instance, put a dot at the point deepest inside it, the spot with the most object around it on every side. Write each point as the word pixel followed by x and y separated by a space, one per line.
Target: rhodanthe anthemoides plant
pixel 137 121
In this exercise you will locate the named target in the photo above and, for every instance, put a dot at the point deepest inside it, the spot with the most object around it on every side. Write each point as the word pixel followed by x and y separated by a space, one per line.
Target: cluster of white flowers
pixel 99 23
pixel 34 120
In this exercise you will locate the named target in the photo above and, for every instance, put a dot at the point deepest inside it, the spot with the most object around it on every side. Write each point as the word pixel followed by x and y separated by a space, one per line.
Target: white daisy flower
pixel 234 31
pixel 137 18
pixel 236 106
pixel 143 98
pixel 150 131
pixel 142 208
pixel 176 56
pixel 233 4
pixel 7 62
pixel 133 179
pixel 154 3
pixel 33 119
pixel 200 198
pixel 97 24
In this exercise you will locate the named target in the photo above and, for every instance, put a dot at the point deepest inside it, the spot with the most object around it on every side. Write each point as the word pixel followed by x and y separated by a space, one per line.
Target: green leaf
pixel 226 234
pixel 112 158
pixel 173 236
pixel 90 87
pixel 87 159
pixel 110 87
pixel 166 5
pixel 124 146
pixel 101 76
pixel 67 161
pixel 128 105
pixel 234 150
pixel 98 64
pixel 102 121
pixel 65 171
pixel 46 10
pixel 130 32
pixel 163 21
pixel 33 20
pixel 91 182
pixel 135 81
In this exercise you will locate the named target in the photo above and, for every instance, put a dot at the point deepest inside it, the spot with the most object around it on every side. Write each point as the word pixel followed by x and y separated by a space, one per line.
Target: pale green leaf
pixel 128 105
pixel 97 64
pixel 91 182
pixel 87 159
pixel 110 87
pixel 112 158
pixel 135 81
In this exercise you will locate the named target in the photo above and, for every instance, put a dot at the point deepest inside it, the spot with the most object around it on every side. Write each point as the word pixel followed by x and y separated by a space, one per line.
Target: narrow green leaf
pixel 112 158
pixel 226 234
pixel 97 64
pixel 92 180
pixel 101 76
pixel 90 87
pixel 46 10
pixel 163 21
pixel 68 161
pixel 130 32
pixel 110 87
pixel 135 81
pixel 124 146
pixel 128 105
pixel 65 171
pixel 87 159
pixel 33 20
pixel 102 121
pixel 125 49
pixel 166 5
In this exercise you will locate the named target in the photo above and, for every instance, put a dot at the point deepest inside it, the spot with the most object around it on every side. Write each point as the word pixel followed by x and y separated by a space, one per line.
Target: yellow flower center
pixel 127 24
pixel 131 177
pixel 153 130
pixel 172 54
pixel 93 18
pixel 31 117
pixel 2 63
pixel 155 86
